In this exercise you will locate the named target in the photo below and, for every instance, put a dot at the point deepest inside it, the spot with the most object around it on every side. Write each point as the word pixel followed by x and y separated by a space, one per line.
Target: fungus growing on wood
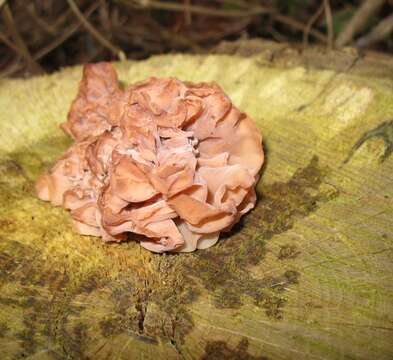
pixel 173 161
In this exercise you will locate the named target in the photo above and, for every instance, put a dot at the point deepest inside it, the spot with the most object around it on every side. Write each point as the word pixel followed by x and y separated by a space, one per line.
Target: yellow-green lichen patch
pixel 288 251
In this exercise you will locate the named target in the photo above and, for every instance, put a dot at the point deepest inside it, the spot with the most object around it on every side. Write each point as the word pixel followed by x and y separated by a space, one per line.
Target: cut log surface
pixel 308 274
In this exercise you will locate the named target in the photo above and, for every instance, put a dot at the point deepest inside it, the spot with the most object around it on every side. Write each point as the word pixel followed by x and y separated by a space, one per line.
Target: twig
pixel 382 30
pixel 20 44
pixel 176 38
pixel 358 20
pixel 14 67
pixel 277 35
pixel 66 33
pixel 61 20
pixel 17 66
pixel 187 12
pixel 104 16
pixel 299 26
pixel 49 29
pixel 95 33
pixel 329 23
pixel 196 9
pixel 285 20
pixel 9 43
pixel 310 23
pixel 202 10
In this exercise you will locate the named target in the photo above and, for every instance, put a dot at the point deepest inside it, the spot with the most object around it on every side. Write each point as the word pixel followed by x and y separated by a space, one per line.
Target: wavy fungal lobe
pixel 171 161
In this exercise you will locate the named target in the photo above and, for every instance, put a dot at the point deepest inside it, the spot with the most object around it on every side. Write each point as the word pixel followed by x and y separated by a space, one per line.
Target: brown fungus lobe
pixel 173 161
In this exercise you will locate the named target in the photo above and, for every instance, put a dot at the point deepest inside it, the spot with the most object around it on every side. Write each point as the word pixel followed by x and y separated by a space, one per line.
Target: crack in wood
pixel 383 131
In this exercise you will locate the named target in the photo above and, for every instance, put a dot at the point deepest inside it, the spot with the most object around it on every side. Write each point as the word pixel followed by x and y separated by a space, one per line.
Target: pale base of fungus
pixel 173 161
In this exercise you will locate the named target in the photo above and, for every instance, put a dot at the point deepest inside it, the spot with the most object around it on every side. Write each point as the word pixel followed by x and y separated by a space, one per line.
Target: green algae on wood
pixel 307 274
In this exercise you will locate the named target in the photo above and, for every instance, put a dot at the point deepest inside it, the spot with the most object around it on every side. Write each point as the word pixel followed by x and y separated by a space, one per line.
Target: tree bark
pixel 307 274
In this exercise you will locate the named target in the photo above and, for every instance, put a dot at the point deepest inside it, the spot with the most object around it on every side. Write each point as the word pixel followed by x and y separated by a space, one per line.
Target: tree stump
pixel 307 274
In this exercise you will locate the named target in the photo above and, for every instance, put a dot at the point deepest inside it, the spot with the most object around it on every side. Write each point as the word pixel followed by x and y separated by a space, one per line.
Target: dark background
pixel 41 36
